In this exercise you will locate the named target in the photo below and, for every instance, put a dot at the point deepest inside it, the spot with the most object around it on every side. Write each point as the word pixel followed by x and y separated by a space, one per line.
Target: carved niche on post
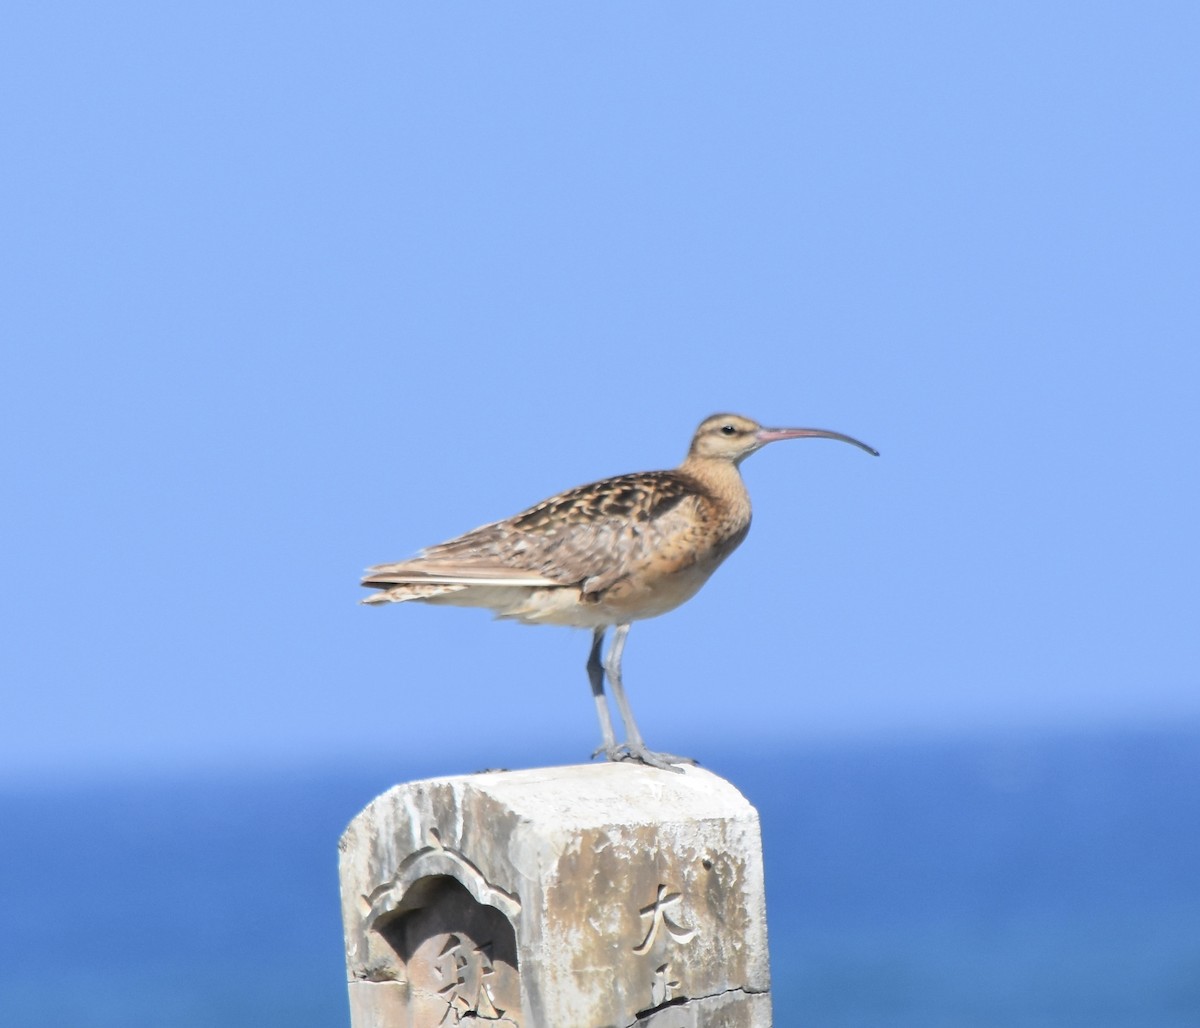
pixel 450 940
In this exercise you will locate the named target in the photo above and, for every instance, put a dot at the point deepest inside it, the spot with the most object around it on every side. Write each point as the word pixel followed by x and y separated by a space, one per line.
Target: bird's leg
pixel 635 746
pixel 595 670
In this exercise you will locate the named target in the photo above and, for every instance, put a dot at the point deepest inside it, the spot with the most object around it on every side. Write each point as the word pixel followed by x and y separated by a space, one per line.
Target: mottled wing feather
pixel 589 536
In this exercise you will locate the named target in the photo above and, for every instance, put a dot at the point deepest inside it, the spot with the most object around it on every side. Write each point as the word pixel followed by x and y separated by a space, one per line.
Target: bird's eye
pixel 728 430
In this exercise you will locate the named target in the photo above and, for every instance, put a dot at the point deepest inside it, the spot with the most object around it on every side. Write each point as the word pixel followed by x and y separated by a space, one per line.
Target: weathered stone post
pixel 598 896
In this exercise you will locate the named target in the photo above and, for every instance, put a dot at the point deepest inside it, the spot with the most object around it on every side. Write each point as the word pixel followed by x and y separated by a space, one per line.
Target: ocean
pixel 1048 880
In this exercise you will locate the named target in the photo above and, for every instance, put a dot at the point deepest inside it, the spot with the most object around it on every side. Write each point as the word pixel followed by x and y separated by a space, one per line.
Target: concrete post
pixel 599 896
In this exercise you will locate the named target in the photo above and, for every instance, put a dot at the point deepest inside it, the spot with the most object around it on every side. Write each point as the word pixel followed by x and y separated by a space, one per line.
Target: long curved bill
pixel 772 435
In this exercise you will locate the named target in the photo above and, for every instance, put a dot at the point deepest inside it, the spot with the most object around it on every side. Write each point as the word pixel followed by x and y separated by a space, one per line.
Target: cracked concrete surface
pixel 730 1008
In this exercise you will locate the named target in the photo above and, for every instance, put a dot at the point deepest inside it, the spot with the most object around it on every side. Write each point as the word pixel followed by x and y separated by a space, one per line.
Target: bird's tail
pixel 429 580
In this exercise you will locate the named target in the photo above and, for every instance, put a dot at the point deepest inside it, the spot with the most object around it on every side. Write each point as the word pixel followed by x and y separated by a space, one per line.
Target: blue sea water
pixel 1048 881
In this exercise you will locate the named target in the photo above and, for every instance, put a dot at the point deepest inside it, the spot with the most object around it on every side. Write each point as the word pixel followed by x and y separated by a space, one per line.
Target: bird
pixel 603 555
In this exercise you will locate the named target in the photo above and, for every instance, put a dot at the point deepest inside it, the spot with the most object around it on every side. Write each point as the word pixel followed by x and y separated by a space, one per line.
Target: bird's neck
pixel 721 479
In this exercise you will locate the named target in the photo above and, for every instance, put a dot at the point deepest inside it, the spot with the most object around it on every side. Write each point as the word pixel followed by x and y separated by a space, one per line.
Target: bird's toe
pixel 642 755
pixel 662 761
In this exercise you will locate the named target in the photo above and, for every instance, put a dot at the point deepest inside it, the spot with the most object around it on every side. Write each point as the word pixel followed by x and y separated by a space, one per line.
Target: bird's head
pixel 733 437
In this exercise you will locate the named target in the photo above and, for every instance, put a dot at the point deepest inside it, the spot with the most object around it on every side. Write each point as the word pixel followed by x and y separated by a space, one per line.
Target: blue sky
pixel 291 289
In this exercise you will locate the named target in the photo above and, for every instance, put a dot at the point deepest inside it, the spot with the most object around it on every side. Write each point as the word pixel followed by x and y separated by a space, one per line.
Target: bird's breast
pixel 672 573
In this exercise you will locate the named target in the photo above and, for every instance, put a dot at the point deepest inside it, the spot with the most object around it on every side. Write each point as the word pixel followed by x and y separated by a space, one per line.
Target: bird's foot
pixel 639 753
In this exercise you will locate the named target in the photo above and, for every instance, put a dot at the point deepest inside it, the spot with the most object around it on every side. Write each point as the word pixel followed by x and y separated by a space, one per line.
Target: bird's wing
pixel 589 536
